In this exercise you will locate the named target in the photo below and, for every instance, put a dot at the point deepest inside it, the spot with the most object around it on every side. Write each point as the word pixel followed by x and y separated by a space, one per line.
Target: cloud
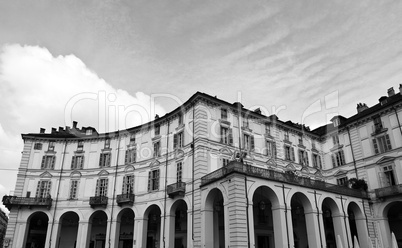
pixel 38 89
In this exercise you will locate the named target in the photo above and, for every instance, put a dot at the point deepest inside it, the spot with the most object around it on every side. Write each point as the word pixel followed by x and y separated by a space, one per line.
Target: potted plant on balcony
pixel 358 184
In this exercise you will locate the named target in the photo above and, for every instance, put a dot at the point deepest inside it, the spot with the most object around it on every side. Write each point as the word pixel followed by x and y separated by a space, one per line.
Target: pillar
pixel 339 227
pixel 323 239
pixel 313 232
pixel 207 232
pixel 111 233
pixel 83 234
pixel 140 232
pixel 170 230
pixel 48 235
pixel 251 223
pixel 385 232
pixel 281 232
pixel 53 242
pixel 189 229
pixel 21 235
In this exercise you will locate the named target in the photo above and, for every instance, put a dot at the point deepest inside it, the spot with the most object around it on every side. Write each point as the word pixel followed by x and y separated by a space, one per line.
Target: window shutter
pixel 342 157
pixel 157 180
pixel 49 186
pixel 149 180
pixel 292 153
pixel 131 184
pixel 53 161
pixel 73 163
pixel 82 162
pixel 319 161
pixel 388 142
pixel 101 160
pixel 274 149
pixel 106 186
pixel 375 146
pixel 126 158
pixel 221 136
pixel 124 190
pixel 97 191
pixel 252 142
pixel 175 141
pixel 108 157
pixel 38 189
pixel 333 160
pixel 42 166
pixel 230 136
pixel 306 158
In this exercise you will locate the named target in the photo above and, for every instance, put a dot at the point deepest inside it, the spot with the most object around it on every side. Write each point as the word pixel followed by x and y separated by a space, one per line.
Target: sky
pixel 115 64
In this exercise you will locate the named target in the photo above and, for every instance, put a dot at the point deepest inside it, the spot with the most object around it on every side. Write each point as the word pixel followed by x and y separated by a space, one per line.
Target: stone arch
pixel 97 229
pixel 178 228
pixel 214 219
pixel 357 224
pixel 392 221
pixel 302 217
pixel 36 230
pixel 68 229
pixel 152 226
pixel 333 221
pixel 125 228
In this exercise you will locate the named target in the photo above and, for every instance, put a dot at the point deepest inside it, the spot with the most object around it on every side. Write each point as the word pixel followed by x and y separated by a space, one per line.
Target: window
pixel 248 141
pixel 335 139
pixel 178 140
pixel 225 162
pixel 77 162
pixel 101 187
pixel 317 161
pixel 270 149
pixel 289 153
pixel 267 129
pixel 73 189
pixel 104 160
pixel 313 145
pixel 245 122
pixel 336 122
pixel 382 144
pixel 153 180
pixel 303 158
pixel 48 162
pixel 377 123
pixel 80 146
pixel 343 181
pixel 128 184
pixel 388 176
pixel 130 156
pixel 224 114
pixel 286 135
pixel 157 130
pixel 179 171
pixel 338 158
pixel 43 189
pixel 51 146
pixel 180 119
pixel 88 132
pixel 157 148
pixel 132 140
pixel 300 140
pixel 38 146
pixel 226 136
pixel 107 143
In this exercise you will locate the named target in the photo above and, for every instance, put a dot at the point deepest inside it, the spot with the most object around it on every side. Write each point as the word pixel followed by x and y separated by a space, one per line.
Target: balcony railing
pixel 10 201
pixel 236 167
pixel 125 199
pixel 389 191
pixel 98 201
pixel 175 189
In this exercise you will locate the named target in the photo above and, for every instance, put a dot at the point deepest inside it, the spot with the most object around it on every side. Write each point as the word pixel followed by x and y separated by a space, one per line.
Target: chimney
pixel 61 129
pixel 75 124
pixel 258 111
pixel 383 100
pixel 53 130
pixel 361 107
pixel 400 89
pixel 42 130
pixel 391 92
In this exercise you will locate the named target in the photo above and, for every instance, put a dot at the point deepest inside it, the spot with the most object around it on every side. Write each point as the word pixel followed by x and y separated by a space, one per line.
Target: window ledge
pixel 224 123
pixel 336 147
pixel 379 131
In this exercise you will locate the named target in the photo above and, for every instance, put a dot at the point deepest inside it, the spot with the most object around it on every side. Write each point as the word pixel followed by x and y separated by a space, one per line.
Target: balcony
pixel 10 201
pixel 378 129
pixel 248 170
pixel 176 189
pixel 125 199
pixel 98 201
pixel 389 191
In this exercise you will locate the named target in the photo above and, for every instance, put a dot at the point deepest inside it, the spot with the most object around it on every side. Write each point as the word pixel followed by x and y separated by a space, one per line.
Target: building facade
pixel 213 174
pixel 3 226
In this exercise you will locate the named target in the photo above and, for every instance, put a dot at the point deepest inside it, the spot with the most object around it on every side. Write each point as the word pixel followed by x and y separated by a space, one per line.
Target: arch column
pixel 207 234
pixel 22 233
pixel 56 230
pixel 82 236
pixel 385 231
pixel 140 232
pixel 339 227
pixel 189 229
pixel 281 233
pixel 323 240
pixel 362 232
pixel 111 233
pixel 251 224
pixel 48 238
pixel 313 230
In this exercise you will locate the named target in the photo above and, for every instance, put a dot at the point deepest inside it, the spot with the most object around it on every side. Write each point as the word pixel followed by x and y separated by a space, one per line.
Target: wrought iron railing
pixel 178 188
pixel 389 191
pixel 98 201
pixel 125 198
pixel 289 178
pixel 9 201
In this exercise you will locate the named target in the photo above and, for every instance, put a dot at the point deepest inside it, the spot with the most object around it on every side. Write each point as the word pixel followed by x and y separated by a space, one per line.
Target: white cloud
pixel 38 89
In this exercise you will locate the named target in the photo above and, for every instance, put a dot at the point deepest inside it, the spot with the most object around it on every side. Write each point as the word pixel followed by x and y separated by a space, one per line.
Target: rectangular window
pixel 157 149
pixel 226 136
pixel 73 190
pixel 270 149
pixel 248 142
pixel 51 146
pixel 104 160
pixel 130 156
pixel 289 153
pixel 267 129
pixel 300 140
pixel 48 162
pixel 286 135
pixel 38 146
pixel 178 140
pixel 245 122
pixel 43 189
pixel 132 140
pixel 377 123
pixel 313 144
pixel 303 158
pixel 317 161
pixel 225 162
pixel 224 114
pixel 335 139
pixel 153 180
pixel 342 181
pixel 382 144
pixel 107 143
pixel 80 146
pixel 338 158
pixel 157 130
pixel 77 162
pixel 128 184
pixel 179 171
pixel 180 119
pixel 101 187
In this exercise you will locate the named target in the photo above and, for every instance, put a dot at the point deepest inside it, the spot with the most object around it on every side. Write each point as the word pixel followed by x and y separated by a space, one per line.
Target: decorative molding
pixel 45 174
pixel 385 159
pixel 103 173
pixel 75 174
pixel 129 168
